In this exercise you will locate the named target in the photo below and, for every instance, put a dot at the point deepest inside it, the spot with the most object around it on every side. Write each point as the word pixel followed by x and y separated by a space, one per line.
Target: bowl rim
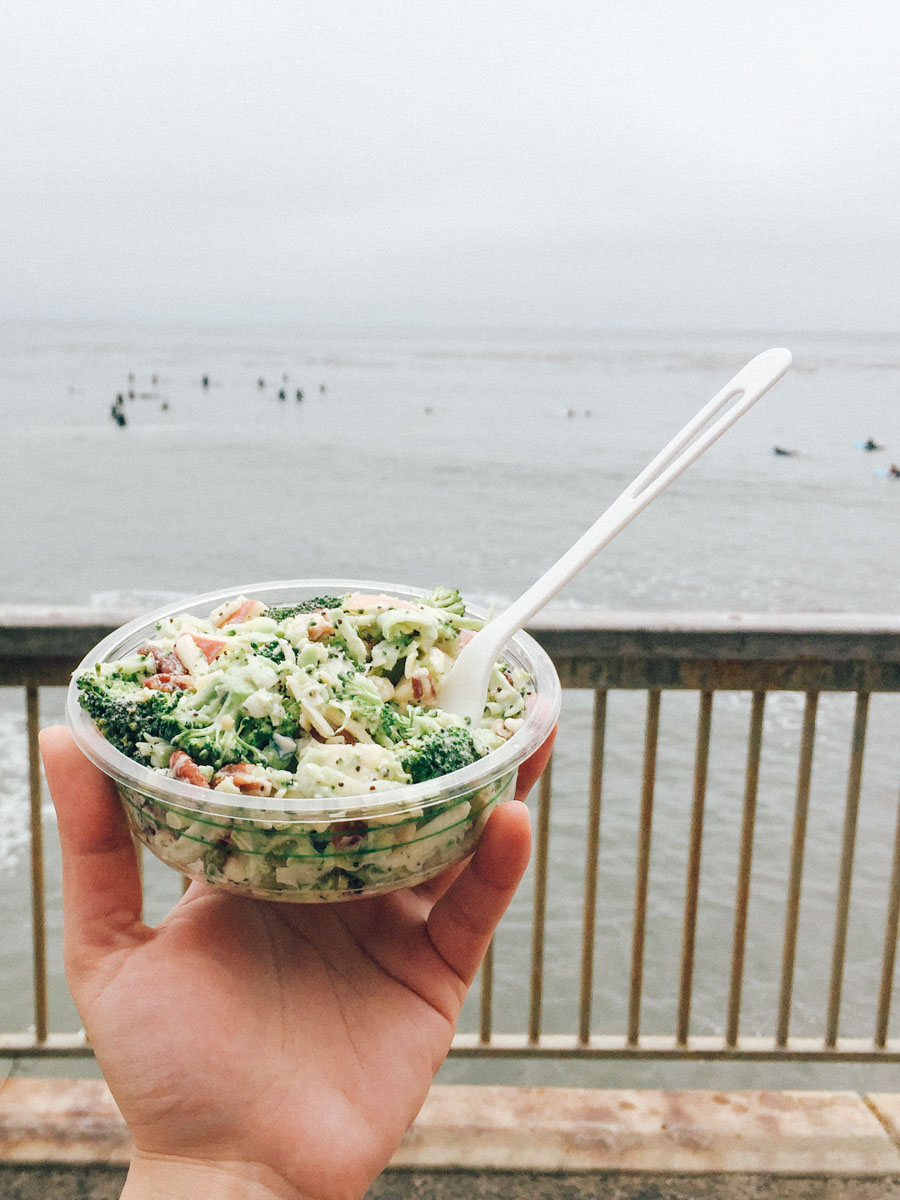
pixel 151 783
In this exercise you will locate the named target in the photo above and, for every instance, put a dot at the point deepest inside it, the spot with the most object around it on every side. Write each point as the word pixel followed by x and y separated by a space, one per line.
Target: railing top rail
pixel 35 632
pixel 596 619
pixel 717 636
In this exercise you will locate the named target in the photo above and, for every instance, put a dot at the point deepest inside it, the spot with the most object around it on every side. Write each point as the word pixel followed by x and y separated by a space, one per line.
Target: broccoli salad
pixel 334 699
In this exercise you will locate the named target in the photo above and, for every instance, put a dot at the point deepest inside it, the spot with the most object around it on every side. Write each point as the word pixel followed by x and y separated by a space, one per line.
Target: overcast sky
pixel 684 164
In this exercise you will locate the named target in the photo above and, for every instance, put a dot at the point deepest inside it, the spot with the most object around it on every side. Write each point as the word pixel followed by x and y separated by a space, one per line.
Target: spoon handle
pixel 751 382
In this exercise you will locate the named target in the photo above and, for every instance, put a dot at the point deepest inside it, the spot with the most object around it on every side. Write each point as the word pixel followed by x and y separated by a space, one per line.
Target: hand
pixel 260 1049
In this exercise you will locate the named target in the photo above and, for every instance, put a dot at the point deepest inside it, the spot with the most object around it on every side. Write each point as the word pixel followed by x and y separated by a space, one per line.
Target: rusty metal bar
pixel 486 999
pixel 540 904
pixel 648 782
pixel 745 862
pixel 892 926
pixel 664 1048
pixel 845 876
pixel 653 1048
pixel 692 887
pixel 798 843
pixel 139 853
pixel 591 865
pixel 38 906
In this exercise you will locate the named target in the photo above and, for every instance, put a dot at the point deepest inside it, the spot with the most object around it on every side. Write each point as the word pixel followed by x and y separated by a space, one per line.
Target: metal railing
pixel 604 654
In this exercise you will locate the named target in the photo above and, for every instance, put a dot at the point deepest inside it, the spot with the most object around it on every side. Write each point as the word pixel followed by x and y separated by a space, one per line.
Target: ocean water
pixel 474 459
pixel 466 457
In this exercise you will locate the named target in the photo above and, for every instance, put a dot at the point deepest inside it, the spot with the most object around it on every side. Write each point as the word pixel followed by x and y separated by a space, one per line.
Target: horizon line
pixel 346 328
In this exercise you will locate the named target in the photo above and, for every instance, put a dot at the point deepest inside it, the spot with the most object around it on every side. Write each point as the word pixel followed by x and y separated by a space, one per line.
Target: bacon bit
pixel 342 735
pixel 417 687
pixel 320 626
pixel 363 600
pixel 167 663
pixel 348 834
pixel 243 778
pixel 164 682
pixel 210 648
pixel 367 600
pixel 422 685
pixel 465 636
pixel 182 766
pixel 244 612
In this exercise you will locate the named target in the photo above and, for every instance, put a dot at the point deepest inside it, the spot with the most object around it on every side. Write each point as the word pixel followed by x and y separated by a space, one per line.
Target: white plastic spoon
pixel 465 688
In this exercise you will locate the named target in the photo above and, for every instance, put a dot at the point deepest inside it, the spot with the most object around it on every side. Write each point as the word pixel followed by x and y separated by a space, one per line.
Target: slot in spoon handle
pixel 464 690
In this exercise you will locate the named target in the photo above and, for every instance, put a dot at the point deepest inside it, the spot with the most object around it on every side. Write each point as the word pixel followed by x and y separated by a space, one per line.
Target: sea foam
pixel 14 798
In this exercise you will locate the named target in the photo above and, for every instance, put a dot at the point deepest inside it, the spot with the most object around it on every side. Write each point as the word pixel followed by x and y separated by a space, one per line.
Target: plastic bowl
pixel 312 850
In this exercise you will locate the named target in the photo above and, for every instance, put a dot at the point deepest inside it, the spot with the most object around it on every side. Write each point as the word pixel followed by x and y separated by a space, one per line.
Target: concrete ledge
pixel 886 1107
pixel 105 1183
pixel 510 1129
pixel 61 1121
pixel 584 1129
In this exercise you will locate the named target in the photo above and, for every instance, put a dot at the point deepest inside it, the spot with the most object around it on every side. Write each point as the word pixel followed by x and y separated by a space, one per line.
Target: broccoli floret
pixel 215 731
pixel 211 724
pixel 447 598
pixel 126 717
pixel 306 606
pixel 213 746
pixel 358 698
pixel 394 726
pixel 258 733
pixel 274 651
pixel 439 753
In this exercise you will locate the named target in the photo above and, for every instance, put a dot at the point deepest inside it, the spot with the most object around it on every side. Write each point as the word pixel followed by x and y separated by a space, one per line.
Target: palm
pixel 271 1026
pixel 301 1039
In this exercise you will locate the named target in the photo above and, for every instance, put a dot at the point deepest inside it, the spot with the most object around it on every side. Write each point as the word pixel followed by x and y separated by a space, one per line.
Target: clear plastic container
pixel 310 850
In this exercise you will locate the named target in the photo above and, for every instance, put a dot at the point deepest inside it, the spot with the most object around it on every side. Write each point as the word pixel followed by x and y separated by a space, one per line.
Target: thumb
pixel 100 881
pixel 463 920
pixel 532 768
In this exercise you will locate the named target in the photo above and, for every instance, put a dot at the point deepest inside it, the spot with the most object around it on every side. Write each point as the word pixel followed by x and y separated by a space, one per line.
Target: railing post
pixel 648 783
pixel 845 877
pixel 540 905
pixel 798 842
pixel 38 909
pixel 745 862
pixel 892 926
pixel 486 999
pixel 591 866
pixel 689 932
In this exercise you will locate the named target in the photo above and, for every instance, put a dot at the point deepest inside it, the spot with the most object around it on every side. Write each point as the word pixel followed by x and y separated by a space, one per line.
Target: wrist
pixel 161 1177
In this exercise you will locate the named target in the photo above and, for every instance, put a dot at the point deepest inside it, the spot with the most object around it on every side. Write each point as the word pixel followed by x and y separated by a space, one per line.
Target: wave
pixel 15 810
